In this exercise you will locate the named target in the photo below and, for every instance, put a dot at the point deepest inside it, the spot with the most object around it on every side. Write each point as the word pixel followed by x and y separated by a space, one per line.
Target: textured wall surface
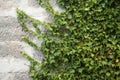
pixel 13 66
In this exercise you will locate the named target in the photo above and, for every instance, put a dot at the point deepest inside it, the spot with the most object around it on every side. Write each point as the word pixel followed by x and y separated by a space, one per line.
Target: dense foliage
pixel 83 43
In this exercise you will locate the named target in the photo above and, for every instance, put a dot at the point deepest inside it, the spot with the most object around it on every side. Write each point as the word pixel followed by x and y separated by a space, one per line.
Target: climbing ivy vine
pixel 82 43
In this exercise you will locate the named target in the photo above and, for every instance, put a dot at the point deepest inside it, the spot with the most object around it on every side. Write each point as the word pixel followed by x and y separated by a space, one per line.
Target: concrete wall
pixel 13 66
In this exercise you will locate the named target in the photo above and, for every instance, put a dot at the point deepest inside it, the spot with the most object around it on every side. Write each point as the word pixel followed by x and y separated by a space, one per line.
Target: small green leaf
pixel 108 74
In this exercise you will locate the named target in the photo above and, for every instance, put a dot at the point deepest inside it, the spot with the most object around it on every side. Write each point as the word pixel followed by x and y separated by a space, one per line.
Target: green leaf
pixel 108 74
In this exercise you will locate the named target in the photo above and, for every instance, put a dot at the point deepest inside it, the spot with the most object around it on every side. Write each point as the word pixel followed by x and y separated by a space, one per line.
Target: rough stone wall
pixel 13 66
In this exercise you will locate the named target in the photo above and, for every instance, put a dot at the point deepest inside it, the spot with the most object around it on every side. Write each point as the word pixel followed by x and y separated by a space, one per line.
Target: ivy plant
pixel 82 43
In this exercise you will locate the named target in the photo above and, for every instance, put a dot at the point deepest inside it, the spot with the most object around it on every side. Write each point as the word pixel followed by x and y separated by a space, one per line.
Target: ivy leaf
pixel 108 74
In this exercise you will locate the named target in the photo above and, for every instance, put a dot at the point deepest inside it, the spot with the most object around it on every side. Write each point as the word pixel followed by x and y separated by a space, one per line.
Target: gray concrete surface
pixel 13 66
pixel 10 30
